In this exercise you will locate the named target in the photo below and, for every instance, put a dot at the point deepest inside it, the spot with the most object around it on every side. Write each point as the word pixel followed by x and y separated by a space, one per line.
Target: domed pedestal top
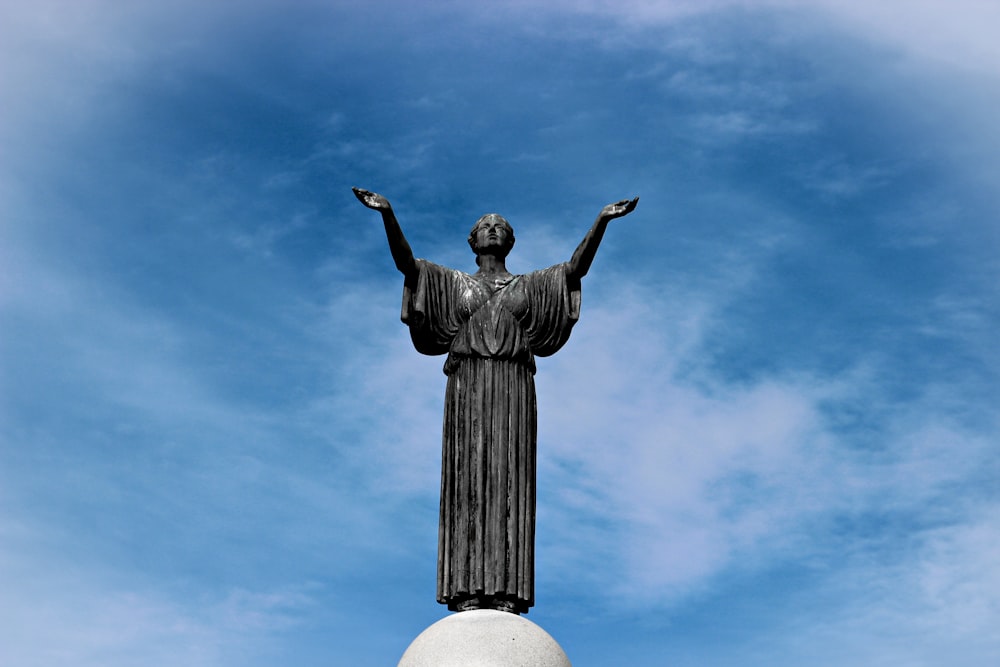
pixel 484 638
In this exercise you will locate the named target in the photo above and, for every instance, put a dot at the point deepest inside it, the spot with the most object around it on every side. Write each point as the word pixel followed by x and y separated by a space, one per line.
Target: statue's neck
pixel 492 265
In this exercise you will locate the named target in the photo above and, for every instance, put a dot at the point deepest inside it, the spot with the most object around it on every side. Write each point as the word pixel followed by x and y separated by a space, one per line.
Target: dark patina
pixel 492 325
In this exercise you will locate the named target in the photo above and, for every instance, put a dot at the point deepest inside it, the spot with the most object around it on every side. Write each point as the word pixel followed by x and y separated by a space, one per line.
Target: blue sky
pixel 771 440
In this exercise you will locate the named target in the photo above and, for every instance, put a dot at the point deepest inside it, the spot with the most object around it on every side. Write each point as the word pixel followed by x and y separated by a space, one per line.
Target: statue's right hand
pixel 372 200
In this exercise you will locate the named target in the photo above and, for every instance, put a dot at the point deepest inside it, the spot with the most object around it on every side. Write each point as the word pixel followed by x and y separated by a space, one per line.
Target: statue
pixel 492 325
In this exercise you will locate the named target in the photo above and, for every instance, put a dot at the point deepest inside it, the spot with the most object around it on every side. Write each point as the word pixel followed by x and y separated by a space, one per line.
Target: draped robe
pixel 491 331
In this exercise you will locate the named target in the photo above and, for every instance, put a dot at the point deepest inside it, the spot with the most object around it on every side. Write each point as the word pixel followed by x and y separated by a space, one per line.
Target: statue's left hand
pixel 372 200
pixel 619 208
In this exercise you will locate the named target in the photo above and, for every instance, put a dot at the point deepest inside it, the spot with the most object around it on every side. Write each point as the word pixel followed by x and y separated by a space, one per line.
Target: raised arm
pixel 402 255
pixel 580 263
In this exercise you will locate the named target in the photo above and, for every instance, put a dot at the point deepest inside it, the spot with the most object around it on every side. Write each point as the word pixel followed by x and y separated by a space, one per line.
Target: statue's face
pixel 492 236
pixel 492 233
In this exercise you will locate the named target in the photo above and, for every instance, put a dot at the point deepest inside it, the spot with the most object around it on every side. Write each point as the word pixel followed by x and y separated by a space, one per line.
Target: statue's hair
pixel 475 228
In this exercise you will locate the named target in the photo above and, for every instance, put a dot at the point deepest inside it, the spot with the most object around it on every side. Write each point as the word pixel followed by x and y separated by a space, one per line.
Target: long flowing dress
pixel 491 332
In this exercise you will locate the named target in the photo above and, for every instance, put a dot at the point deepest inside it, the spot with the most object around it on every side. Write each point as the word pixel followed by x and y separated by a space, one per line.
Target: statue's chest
pixel 493 299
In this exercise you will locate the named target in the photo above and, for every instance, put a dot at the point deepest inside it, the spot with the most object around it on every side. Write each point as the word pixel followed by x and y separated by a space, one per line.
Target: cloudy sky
pixel 772 439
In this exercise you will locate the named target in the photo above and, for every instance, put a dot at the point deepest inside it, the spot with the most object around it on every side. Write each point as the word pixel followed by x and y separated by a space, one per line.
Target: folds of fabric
pixel 487 531
pixel 491 333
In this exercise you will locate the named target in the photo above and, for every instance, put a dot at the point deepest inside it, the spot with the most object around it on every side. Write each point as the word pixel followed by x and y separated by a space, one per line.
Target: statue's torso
pixel 493 310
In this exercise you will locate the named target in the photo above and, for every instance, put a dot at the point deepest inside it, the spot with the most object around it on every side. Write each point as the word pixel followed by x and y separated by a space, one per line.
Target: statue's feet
pixel 504 605
pixel 469 604
pixel 486 602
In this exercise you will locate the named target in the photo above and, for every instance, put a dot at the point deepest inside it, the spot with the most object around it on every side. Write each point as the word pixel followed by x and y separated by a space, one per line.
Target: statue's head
pixel 491 235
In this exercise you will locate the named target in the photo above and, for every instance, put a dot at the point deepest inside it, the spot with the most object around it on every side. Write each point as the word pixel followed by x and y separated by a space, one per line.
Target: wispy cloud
pixel 676 481
pixel 776 409
pixel 56 613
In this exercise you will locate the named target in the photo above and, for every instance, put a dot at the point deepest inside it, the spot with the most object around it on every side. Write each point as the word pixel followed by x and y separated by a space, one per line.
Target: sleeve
pixel 554 307
pixel 430 307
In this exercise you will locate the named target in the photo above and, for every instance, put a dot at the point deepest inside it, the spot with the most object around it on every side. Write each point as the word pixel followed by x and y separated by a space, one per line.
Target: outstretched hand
pixel 619 208
pixel 374 201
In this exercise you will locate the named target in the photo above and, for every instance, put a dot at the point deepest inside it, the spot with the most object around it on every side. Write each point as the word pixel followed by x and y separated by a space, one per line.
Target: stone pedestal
pixel 484 638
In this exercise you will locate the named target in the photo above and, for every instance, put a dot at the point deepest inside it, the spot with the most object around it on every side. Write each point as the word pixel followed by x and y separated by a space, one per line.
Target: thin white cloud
pixel 661 484
pixel 957 576
pixel 959 34
pixel 54 612
pixel 389 393
pixel 933 603
pixel 673 474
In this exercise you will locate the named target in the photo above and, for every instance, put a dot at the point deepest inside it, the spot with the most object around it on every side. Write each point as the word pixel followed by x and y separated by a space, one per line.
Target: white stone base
pixel 484 638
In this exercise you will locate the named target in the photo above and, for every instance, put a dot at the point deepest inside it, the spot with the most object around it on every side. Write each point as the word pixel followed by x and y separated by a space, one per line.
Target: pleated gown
pixel 491 331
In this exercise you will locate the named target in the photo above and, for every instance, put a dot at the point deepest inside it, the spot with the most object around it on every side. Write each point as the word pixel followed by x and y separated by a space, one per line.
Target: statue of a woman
pixel 492 325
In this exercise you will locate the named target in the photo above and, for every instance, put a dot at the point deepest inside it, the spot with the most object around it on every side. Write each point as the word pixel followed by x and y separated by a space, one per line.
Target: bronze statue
pixel 492 325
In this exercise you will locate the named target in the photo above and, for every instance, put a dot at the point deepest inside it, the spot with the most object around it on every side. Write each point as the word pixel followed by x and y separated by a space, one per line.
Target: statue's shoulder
pixel 438 269
pixel 554 271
